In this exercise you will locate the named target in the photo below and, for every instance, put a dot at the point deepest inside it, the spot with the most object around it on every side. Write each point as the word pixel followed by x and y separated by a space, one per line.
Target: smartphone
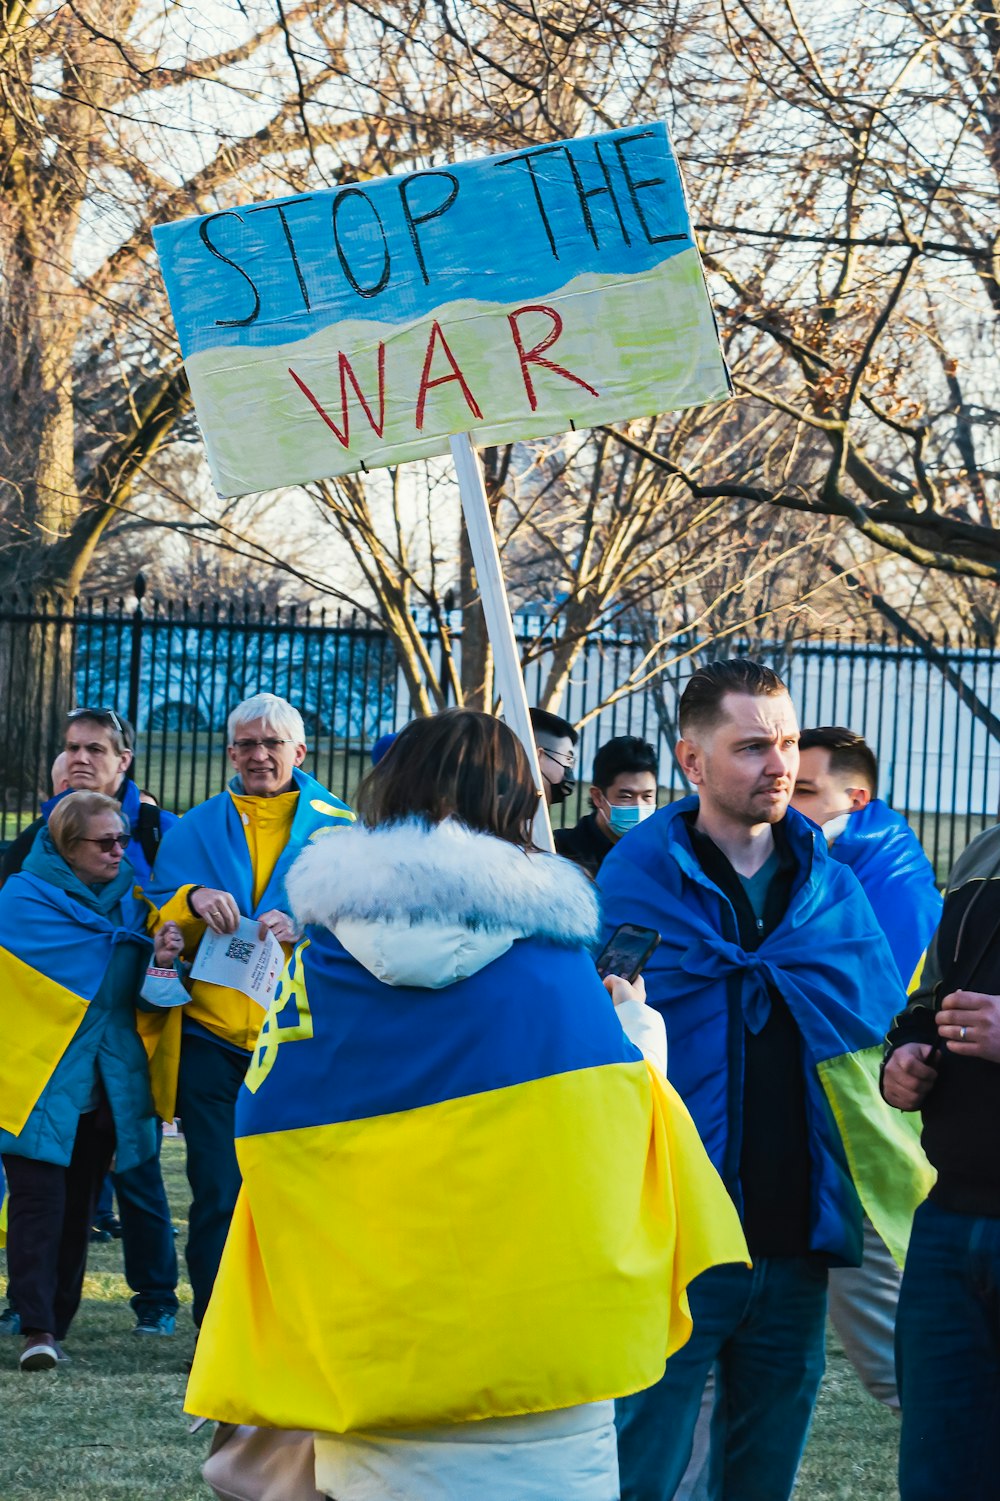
pixel 627 951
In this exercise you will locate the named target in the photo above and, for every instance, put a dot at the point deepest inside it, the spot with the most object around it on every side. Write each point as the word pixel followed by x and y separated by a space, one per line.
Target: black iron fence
pixel 177 670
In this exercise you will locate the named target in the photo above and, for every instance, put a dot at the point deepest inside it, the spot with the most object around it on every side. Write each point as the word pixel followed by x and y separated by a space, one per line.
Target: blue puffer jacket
pixel 106 1047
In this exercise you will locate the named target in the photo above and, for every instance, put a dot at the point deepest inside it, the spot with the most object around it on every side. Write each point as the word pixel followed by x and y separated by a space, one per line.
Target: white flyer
pixel 241 961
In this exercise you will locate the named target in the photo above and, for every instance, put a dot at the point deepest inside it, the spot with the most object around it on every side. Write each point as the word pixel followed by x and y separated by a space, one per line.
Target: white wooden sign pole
pixel 499 625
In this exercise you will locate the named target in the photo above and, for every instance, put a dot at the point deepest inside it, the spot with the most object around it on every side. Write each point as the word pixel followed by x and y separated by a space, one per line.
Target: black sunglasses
pixel 107 842
pixel 102 716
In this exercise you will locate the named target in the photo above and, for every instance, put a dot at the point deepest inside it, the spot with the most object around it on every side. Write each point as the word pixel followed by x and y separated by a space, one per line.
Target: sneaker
pixel 10 1321
pixel 99 1237
pixel 162 1323
pixel 40 1353
pixel 109 1227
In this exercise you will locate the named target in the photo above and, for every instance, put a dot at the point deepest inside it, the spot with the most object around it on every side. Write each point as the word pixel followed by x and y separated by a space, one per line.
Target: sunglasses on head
pixel 107 842
pixel 102 716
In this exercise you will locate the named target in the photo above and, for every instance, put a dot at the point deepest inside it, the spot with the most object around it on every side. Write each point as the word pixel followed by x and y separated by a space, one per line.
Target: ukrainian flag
pixel 58 954
pixel 457 1204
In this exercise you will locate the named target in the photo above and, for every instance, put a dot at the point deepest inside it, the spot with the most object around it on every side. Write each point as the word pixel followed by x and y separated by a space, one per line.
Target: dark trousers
pixel 762 1328
pixel 148 1247
pixel 48 1227
pixel 207 1086
pixel 948 1358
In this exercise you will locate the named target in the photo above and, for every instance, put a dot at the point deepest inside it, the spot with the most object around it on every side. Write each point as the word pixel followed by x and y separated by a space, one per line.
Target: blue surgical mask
pixel 621 819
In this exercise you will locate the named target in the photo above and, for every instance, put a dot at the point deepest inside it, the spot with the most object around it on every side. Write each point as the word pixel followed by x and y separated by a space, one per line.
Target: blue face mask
pixel 622 819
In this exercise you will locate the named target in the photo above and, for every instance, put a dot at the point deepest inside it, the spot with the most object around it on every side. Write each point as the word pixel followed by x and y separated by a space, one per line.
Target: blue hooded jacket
pixel 827 958
pixel 896 877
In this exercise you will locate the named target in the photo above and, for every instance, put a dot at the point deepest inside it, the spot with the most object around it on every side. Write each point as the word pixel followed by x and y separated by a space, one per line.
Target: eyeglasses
pixel 102 716
pixel 567 764
pixel 107 842
pixel 270 744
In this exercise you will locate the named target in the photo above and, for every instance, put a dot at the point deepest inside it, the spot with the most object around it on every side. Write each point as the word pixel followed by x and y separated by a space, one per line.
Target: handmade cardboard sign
pixel 508 298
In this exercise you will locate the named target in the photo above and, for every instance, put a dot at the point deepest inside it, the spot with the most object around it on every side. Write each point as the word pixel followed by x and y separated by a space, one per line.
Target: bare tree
pixel 845 189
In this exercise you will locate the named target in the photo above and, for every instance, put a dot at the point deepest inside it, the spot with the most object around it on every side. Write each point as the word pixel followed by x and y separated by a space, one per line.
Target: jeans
pixel 763 1329
pixel 48 1228
pixel 863 1311
pixel 105 1208
pixel 948 1358
pixel 148 1247
pixel 208 1083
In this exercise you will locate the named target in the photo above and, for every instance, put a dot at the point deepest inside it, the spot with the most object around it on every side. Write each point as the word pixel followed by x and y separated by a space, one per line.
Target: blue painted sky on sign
pixel 392 250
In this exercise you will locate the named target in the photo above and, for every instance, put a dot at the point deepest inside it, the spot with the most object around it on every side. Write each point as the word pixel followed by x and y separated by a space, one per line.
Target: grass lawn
pixel 110 1427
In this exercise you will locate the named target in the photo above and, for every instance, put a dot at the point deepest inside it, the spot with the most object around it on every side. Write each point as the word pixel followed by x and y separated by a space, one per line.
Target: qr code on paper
pixel 240 949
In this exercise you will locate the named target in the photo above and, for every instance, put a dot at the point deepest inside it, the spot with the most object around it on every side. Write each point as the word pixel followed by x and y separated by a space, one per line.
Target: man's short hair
pixel 624 753
pixel 285 720
pixel 701 701
pixel 850 753
pixel 117 726
pixel 553 724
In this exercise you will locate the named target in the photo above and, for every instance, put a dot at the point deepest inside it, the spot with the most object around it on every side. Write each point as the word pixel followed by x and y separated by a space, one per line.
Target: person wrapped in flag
pixel 470 1208
pixel 74 1082
pixel 775 981
pixel 227 859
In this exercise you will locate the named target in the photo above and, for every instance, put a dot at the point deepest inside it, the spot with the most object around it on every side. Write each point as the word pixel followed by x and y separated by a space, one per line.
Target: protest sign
pixel 510 297
pixel 482 302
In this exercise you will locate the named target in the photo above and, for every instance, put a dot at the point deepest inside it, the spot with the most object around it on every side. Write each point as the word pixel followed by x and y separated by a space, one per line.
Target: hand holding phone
pixel 627 951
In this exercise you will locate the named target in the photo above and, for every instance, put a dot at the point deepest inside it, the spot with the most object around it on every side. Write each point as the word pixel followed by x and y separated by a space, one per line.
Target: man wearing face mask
pixel 837 787
pixel 623 793
pixel 555 741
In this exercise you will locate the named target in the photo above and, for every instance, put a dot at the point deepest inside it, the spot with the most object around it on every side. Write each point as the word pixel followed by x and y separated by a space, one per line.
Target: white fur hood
pixel 426 905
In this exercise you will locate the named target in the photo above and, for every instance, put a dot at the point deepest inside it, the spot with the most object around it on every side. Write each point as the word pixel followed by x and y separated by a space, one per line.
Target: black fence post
pixel 135 658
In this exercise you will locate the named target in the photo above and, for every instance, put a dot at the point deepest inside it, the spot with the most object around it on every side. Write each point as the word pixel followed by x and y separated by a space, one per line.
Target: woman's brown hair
pixel 459 763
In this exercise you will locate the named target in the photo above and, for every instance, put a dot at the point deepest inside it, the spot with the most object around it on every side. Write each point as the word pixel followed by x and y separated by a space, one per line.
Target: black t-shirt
pixel 586 844
pixel 774 1155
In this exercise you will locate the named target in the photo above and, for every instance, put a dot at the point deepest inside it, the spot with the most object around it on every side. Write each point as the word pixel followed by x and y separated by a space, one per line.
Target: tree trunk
pixel 36 678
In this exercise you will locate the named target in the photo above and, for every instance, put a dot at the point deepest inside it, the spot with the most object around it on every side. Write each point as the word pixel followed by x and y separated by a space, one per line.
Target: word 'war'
pixel 439 356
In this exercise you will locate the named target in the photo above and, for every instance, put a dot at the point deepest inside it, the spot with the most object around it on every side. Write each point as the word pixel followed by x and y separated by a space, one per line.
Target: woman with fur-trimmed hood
pixel 471 1206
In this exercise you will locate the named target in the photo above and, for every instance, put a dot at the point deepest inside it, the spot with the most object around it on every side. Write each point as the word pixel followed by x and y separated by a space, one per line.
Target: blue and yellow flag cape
pixel 460 1203
pixel 831 963
pixel 896 877
pixel 208 847
pixel 55 955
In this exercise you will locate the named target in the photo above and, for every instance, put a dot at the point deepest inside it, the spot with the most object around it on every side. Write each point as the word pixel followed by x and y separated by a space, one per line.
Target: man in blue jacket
pixel 770 965
pixel 96 757
pixel 837 788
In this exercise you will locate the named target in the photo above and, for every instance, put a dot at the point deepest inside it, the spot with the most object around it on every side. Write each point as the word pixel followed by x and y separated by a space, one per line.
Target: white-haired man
pixel 225 860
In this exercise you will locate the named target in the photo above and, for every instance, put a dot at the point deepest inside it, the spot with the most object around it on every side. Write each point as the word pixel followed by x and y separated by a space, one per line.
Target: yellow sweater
pixel 229 1014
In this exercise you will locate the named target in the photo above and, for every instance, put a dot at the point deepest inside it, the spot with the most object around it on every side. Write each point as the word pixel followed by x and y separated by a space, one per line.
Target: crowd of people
pixel 466 1218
